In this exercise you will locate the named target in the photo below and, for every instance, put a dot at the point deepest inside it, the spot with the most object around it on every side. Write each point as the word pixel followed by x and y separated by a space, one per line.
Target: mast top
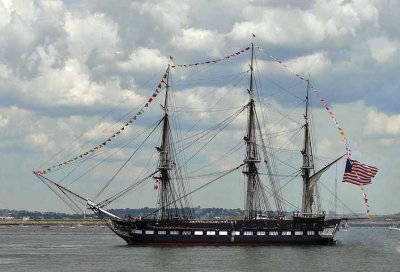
pixel 166 77
pixel 251 93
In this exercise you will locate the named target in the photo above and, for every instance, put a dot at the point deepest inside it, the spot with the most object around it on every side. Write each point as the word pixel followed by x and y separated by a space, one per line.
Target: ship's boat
pixel 394 227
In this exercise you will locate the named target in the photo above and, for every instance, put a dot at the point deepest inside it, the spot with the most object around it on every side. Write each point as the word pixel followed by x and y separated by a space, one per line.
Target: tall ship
pixel 266 219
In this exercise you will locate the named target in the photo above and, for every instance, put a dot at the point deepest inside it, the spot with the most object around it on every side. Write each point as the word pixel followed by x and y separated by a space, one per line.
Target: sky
pixel 70 70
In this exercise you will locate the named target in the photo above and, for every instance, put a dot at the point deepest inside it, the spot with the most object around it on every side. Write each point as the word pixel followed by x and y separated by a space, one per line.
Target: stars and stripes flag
pixel 358 173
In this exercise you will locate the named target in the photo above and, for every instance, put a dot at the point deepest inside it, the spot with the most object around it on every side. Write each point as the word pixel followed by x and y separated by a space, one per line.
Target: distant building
pixel 6 217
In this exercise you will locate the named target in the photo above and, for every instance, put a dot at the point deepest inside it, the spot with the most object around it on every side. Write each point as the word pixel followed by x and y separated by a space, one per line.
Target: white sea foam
pixel 398 248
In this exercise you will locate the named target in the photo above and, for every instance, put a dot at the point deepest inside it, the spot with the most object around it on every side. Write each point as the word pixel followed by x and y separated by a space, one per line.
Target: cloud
pixel 97 131
pixel 382 49
pixel 315 64
pixel 4 72
pixel 193 39
pixel 68 86
pixel 143 59
pixel 99 33
pixel 324 20
pixel 19 132
pixel 4 120
pixel 40 140
pixel 28 24
pixel 169 15
pixel 382 124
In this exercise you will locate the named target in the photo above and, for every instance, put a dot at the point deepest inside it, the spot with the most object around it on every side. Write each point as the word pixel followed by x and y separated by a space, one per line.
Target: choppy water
pixel 97 249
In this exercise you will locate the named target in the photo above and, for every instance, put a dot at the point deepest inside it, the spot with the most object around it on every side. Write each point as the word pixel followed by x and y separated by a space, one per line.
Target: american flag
pixel 358 173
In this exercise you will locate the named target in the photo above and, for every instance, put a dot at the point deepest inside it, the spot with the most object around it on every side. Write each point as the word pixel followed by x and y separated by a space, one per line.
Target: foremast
pixel 166 192
pixel 252 156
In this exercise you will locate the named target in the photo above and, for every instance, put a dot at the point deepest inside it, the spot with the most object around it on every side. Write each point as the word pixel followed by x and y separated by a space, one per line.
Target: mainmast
pixel 252 157
pixel 165 162
pixel 308 162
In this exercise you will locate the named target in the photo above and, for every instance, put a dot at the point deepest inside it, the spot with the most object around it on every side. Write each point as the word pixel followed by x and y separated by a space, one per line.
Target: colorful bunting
pixel 341 131
pixel 39 172
pixel 212 61
pixel 366 202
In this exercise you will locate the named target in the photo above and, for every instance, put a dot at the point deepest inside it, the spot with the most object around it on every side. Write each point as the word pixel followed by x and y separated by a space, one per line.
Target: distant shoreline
pixel 53 222
pixel 373 223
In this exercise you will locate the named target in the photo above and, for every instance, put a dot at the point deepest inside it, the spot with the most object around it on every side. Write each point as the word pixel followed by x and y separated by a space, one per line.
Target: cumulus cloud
pixel 28 24
pixel 324 20
pixel 315 64
pixel 67 86
pixel 380 123
pixel 199 40
pixel 143 59
pixel 40 140
pixel 4 120
pixel 169 15
pixel 90 32
pixel 382 48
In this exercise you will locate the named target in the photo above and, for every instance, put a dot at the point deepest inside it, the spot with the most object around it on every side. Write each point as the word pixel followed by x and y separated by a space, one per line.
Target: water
pixel 97 249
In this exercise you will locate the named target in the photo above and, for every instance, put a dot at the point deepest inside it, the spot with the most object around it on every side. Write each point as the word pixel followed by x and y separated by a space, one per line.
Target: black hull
pixel 222 241
pixel 314 231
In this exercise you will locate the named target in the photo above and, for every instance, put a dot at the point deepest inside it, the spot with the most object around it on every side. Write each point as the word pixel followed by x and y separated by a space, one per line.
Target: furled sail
pixel 314 178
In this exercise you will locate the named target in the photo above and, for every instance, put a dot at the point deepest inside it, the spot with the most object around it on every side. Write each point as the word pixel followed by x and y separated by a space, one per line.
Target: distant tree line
pixel 20 214
pixel 200 213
